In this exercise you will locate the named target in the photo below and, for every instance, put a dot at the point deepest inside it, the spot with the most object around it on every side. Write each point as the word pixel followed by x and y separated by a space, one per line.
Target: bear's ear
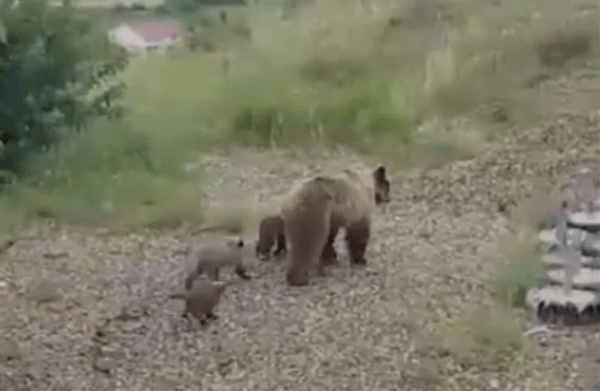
pixel 379 174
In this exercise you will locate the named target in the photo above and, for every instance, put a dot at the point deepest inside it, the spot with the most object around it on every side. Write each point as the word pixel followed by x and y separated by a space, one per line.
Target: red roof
pixel 156 31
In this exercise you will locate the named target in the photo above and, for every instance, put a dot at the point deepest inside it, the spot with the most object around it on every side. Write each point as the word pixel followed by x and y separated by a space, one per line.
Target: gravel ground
pixel 380 327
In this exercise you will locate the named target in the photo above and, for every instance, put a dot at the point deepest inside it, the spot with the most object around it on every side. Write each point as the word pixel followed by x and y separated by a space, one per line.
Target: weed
pixel 519 269
pixel 485 337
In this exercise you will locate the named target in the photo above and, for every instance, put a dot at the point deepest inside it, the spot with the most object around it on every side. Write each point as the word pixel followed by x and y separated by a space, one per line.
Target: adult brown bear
pixel 315 210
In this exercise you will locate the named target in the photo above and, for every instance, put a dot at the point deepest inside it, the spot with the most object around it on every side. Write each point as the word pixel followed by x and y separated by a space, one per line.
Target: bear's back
pixel 354 197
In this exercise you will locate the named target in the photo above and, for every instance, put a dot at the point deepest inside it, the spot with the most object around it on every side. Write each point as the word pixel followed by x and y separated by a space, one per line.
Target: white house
pixel 140 37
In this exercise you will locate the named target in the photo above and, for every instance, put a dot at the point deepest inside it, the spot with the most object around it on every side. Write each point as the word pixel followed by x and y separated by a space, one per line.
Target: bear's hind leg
pixel 281 247
pixel 304 255
pixel 329 256
pixel 357 237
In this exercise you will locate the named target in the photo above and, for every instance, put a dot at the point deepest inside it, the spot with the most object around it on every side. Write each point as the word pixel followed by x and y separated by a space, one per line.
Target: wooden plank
pixel 585 278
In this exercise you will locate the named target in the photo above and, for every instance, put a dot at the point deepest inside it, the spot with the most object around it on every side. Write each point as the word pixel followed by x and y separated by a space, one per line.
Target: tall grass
pixel 269 105
pixel 486 337
pixel 361 74
pixel 108 175
pixel 493 53
pixel 357 74
pixel 317 77
pixel 519 269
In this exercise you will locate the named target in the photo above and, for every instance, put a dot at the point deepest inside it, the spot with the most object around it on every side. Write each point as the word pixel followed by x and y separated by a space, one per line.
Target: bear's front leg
pixel 357 238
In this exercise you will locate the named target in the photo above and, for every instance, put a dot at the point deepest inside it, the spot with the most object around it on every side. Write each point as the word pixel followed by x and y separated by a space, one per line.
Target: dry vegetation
pixel 505 86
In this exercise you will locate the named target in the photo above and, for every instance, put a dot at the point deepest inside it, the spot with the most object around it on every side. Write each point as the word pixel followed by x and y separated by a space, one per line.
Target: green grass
pixel 286 86
pixel 488 335
pixel 326 75
pixel 339 75
pixel 268 105
pixel 494 50
pixel 107 175
pixel 519 269
pixel 486 338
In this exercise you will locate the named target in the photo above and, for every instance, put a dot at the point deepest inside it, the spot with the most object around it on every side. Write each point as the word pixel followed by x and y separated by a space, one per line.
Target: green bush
pixel 108 175
pixel 488 338
pixel 272 105
pixel 520 269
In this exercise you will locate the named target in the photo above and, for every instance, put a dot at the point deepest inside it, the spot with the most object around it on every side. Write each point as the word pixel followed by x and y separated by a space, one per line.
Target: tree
pixel 55 73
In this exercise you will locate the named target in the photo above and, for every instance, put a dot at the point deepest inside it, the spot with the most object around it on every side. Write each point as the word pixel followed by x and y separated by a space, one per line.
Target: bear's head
pixel 236 243
pixel 382 186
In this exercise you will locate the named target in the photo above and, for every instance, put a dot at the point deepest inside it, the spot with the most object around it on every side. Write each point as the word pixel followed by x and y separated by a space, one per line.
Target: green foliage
pixel 357 113
pixel 519 270
pixel 269 106
pixel 105 176
pixel 338 74
pixel 499 54
pixel 185 6
pixel 50 81
pixel 488 338
pixel 59 75
pixel 162 10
